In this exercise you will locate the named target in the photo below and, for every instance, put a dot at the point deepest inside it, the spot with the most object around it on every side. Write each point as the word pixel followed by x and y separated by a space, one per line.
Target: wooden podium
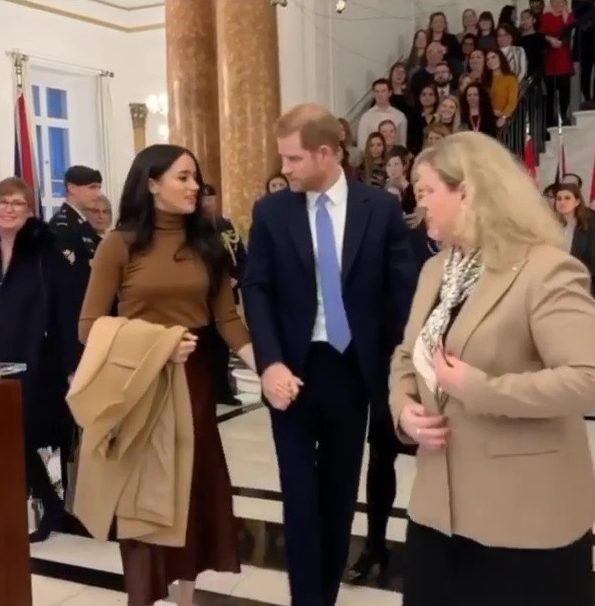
pixel 15 572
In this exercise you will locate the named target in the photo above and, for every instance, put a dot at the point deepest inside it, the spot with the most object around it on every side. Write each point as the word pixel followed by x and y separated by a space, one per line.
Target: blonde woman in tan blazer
pixel 493 377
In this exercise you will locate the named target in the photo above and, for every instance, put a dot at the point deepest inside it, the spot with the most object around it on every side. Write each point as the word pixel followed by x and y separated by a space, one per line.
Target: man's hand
pixel 280 386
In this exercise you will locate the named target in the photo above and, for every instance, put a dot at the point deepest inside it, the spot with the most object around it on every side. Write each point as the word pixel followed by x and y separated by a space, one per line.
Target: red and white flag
pixel 530 157
pixel 24 155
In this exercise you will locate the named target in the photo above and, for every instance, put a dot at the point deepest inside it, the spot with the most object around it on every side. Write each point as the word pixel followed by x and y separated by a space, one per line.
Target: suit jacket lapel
pixel 356 221
pixel 491 287
pixel 299 228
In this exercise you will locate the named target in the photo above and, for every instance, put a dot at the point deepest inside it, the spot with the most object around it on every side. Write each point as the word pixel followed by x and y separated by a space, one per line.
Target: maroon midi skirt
pixel 212 534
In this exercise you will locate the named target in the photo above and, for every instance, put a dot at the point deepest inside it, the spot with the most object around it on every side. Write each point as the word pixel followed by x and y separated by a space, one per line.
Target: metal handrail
pixel 529 117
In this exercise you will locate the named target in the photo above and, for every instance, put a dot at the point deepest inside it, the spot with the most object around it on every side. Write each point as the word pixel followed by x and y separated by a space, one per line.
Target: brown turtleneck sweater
pixel 157 287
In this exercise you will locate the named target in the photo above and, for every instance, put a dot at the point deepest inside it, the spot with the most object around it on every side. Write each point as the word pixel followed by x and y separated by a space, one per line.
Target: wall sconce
pixel 157 104
pixel 163 131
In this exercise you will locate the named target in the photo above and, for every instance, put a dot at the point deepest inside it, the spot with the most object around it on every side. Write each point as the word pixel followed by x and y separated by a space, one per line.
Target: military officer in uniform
pixel 76 237
pixel 78 241
pixel 237 260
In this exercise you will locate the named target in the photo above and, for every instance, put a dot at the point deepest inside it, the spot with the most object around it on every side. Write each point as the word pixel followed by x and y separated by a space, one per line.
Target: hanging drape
pixel 111 185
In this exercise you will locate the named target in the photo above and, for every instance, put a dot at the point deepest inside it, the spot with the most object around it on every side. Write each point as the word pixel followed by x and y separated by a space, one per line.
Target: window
pixel 56 103
pixel 66 120
pixel 36 104
pixel 59 159
pixel 40 163
pixel 52 134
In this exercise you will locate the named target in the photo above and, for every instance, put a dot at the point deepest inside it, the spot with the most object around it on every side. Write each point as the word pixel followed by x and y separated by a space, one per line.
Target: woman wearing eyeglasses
pixel 38 327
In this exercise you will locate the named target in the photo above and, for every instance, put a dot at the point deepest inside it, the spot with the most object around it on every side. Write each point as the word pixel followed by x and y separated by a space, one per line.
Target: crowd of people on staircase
pixel 345 231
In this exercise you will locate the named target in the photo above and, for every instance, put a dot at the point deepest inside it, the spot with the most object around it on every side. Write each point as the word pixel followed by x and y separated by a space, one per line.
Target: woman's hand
pixel 186 346
pixel 428 430
pixel 450 372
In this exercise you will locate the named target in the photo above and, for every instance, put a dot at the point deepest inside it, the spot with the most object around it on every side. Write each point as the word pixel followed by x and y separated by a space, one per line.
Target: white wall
pixel 324 57
pixel 332 59
pixel 137 59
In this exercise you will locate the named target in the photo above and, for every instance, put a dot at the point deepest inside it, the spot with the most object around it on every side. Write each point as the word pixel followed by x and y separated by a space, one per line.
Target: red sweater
pixel 558 61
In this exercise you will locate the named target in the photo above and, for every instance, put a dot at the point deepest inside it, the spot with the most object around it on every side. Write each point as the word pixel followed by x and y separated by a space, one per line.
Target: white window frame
pixel 82 123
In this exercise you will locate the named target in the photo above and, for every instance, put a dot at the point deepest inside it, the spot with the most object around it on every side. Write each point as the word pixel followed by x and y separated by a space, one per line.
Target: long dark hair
pixel 581 212
pixel 506 15
pixel 486 16
pixel 486 110
pixel 504 65
pixel 137 211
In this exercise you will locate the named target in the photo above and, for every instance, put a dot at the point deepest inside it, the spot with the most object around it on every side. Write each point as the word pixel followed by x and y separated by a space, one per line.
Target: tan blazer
pixel 137 448
pixel 517 471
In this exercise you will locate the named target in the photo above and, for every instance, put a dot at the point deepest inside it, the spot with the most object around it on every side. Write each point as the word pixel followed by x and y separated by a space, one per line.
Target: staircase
pixel 579 146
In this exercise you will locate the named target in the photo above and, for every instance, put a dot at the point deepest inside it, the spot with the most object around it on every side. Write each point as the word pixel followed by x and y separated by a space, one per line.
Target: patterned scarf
pixel 461 273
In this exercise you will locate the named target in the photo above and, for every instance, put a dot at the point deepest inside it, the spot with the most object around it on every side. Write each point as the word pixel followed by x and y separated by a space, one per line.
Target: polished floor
pixel 78 571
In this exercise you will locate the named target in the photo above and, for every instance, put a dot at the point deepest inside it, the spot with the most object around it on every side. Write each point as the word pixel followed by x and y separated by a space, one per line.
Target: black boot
pixel 369 565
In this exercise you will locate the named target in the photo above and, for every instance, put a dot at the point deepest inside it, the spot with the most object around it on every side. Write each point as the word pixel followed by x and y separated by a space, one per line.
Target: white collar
pixel 335 193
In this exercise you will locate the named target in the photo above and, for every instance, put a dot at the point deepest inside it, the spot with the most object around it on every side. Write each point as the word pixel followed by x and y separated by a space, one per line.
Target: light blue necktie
pixel 337 327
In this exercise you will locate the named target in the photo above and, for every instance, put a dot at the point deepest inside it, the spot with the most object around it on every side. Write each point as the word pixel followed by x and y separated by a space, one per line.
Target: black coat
pixel 38 326
pixel 583 247
pixel 78 242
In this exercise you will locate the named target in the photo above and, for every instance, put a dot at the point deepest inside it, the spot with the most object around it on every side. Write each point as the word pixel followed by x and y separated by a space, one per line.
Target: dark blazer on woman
pixel 38 326
pixel 583 247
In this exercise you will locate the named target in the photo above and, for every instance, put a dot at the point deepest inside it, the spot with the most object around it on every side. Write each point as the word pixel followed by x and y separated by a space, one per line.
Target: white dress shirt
pixel 371 119
pixel 337 209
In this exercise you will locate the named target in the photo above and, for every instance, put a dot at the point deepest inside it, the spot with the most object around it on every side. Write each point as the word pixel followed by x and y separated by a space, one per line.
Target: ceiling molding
pixel 128 8
pixel 85 19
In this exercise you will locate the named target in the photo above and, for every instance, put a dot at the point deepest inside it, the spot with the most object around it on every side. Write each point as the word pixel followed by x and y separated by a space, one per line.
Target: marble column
pixel 248 60
pixel 192 81
pixel 138 113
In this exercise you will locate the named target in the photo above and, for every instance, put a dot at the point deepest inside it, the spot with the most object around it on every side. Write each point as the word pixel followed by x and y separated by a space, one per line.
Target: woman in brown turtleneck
pixel 165 263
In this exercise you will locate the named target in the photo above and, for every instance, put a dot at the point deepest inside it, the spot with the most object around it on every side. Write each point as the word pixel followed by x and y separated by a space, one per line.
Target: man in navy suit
pixel 326 259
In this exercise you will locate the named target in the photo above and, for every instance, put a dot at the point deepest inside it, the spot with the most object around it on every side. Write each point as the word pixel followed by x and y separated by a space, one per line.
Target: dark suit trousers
pixel 319 442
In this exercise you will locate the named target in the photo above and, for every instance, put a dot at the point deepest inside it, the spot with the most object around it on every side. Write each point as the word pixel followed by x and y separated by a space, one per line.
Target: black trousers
pixel 561 86
pixel 587 63
pixel 319 442
pixel 455 571
pixel 381 490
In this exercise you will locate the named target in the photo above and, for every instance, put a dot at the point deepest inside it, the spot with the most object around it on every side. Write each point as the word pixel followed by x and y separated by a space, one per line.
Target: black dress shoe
pixel 231 401
pixel 369 566
pixel 47 525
